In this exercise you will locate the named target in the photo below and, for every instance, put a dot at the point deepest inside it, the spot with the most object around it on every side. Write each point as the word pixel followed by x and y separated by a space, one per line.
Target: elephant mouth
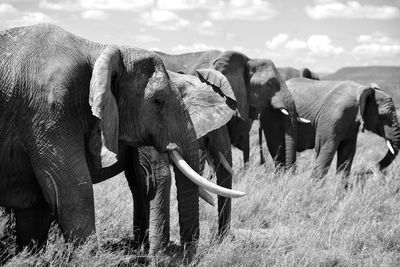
pixel 203 183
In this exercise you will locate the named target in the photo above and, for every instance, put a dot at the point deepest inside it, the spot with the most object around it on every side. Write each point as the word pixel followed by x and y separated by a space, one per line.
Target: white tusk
pixel 225 163
pixel 389 145
pixel 303 120
pixel 206 196
pixel 284 111
pixel 200 181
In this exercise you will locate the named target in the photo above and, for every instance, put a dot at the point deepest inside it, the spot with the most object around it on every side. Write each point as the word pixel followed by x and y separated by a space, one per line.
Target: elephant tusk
pixel 206 196
pixel 303 120
pixel 284 111
pixel 225 163
pixel 389 145
pixel 200 181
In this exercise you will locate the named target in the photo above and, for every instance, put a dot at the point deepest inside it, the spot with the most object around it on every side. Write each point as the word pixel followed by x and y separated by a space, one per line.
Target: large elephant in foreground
pixel 208 97
pixel 257 86
pixel 288 73
pixel 336 110
pixel 64 103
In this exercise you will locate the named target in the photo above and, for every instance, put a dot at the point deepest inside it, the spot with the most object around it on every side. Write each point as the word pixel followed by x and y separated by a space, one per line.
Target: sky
pixel 323 35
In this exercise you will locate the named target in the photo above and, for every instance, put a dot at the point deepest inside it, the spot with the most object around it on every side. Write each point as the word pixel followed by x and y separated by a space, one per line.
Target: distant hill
pixel 387 77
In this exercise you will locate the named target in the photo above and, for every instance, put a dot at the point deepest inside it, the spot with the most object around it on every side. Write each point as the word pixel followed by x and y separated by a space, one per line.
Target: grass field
pixel 285 220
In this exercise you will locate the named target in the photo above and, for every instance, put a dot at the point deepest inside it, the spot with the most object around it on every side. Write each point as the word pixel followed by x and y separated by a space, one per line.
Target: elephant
pixel 288 73
pixel 336 110
pixel 151 210
pixel 257 85
pixel 66 104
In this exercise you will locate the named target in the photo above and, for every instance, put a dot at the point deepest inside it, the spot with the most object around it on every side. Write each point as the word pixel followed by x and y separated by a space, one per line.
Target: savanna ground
pixel 285 220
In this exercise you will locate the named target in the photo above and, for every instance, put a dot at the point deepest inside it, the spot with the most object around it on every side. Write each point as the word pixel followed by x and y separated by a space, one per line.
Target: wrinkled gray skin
pixel 150 187
pixel 211 103
pixel 336 110
pixel 59 94
pixel 288 73
pixel 257 86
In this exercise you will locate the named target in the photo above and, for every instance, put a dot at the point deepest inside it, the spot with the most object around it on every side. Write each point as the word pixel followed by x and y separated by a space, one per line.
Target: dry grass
pixel 285 220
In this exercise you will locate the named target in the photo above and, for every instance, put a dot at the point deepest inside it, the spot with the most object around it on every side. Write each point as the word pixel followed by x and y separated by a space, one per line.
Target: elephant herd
pixel 74 113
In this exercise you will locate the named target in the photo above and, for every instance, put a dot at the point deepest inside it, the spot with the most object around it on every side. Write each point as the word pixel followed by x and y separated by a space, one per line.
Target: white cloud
pixel 207 27
pixel 79 5
pixel 163 19
pixel 296 44
pixel 375 38
pixel 351 10
pixel 252 10
pixel 145 38
pixel 94 14
pixel 194 48
pixel 184 4
pixel 376 45
pixel 12 17
pixel 6 9
pixel 278 40
pixel 229 36
pixel 67 5
pixel 135 5
pixel 319 45
pixel 376 50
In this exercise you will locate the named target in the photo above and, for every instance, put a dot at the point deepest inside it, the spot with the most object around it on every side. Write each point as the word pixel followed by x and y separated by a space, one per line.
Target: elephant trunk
pixel 159 224
pixel 392 135
pixel 290 142
pixel 188 192
pixel 224 178
pixel 283 101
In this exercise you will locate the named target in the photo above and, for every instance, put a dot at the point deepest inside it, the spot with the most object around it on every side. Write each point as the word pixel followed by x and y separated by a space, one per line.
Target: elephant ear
pixel 234 66
pixel 306 73
pixel 219 84
pixel 369 109
pixel 101 99
pixel 209 99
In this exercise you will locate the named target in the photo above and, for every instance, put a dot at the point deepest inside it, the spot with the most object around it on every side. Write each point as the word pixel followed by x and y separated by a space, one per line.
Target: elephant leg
pixel 345 156
pixel 63 175
pixel 32 225
pixel 325 154
pixel 136 177
pixel 246 147
pixel 274 135
pixel 224 179
pixel 262 159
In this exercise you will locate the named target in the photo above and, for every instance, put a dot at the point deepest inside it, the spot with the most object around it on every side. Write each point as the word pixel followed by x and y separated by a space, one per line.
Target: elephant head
pixel 378 112
pixel 288 73
pixel 306 73
pixel 210 102
pixel 141 106
pixel 257 85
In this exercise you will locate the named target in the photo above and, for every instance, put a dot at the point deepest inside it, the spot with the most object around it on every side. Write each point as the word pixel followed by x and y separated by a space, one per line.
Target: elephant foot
pixel 32 226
